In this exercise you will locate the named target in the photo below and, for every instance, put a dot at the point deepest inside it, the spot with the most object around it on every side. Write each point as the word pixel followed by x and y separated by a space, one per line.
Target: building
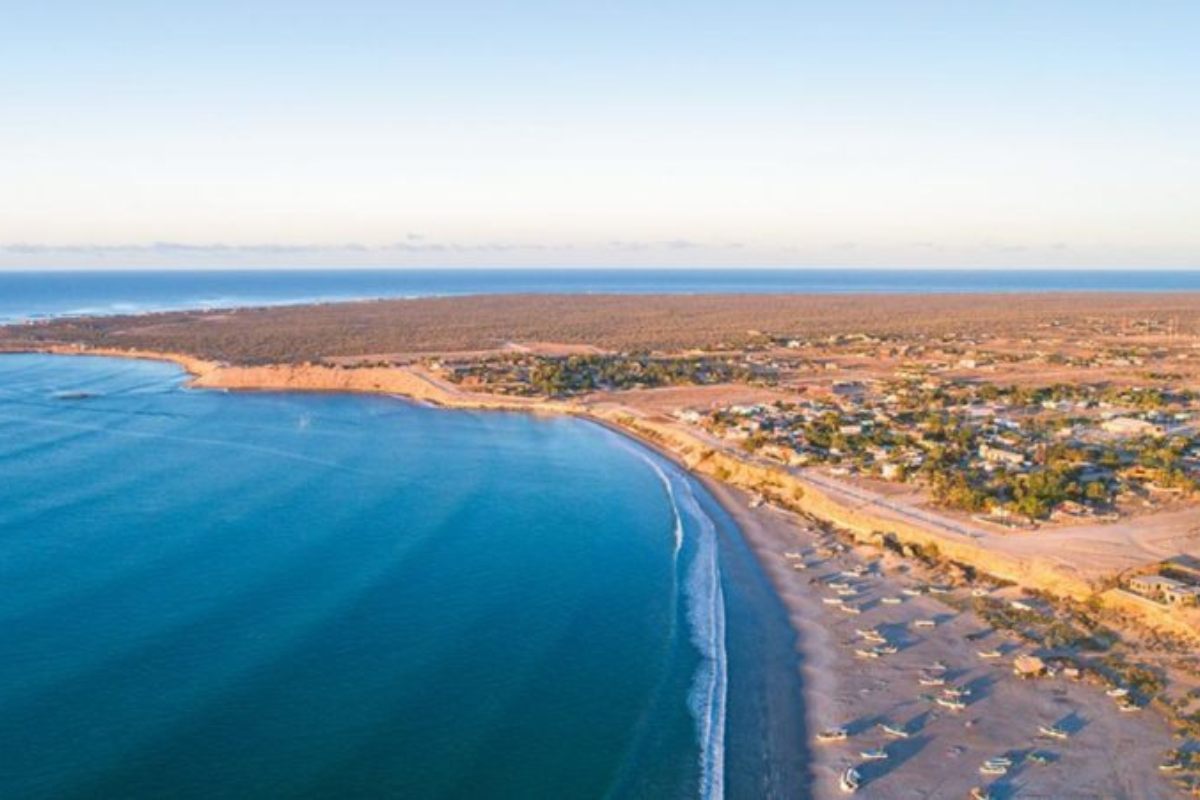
pixel 1000 455
pixel 1029 667
pixel 1164 590
pixel 1131 426
pixel 1184 566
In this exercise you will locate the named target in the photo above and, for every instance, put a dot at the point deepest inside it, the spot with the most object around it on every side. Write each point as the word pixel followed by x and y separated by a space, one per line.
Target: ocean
pixel 210 594
pixel 39 295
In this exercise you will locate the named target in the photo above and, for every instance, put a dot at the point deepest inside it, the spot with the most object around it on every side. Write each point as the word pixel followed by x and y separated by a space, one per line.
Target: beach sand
pixel 1108 754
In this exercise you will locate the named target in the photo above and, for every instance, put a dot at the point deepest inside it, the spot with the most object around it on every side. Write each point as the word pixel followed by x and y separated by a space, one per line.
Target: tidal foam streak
pixel 706 618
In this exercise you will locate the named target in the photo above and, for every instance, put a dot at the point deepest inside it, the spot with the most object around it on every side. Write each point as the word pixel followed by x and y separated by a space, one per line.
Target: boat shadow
pixel 1006 786
pixel 980 688
pixel 1072 723
pixel 899 752
pixel 898 634
pixel 865 724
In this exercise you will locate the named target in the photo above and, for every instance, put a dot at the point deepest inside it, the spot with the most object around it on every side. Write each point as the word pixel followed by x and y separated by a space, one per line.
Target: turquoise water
pixel 34 295
pixel 271 595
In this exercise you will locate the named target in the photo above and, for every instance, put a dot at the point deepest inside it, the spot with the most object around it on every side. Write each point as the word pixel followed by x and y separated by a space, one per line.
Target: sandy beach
pixel 1108 753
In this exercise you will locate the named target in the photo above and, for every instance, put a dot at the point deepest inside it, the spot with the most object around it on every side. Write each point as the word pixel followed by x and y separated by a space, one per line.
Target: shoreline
pixel 824 639
pixel 810 655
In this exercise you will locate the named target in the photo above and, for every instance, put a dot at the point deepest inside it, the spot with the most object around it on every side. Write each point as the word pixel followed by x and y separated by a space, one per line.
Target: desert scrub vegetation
pixel 618 322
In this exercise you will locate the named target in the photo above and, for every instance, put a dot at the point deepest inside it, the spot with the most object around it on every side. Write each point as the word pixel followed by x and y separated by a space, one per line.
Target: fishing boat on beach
pixel 1053 731
pixel 951 703
pixel 849 781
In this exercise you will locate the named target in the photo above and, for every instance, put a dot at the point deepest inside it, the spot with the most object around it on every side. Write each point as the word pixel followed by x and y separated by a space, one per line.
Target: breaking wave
pixel 705 602
pixel 706 614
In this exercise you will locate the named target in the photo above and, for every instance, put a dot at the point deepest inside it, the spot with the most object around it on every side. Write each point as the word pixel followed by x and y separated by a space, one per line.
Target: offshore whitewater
pixel 330 596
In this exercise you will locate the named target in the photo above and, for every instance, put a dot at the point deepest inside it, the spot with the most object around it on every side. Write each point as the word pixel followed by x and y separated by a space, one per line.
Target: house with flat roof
pixel 1000 455
pixel 1164 589
pixel 1131 426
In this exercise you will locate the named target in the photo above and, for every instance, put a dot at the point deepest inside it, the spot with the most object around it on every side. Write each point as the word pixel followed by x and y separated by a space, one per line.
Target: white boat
pixel 1118 692
pixel 950 703
pixel 990 653
pixel 866 633
pixel 912 592
pixel 792 554
pixel 874 754
pixel 1003 761
pixel 938 590
pixel 855 610
pixel 1129 707
pixel 832 735
pixel 886 650
pixel 979 793
pixel 925 623
pixel 866 653
pixel 891 601
pixel 850 781
pixel 831 601
pixel 997 769
pixel 894 730
pixel 956 691
pixel 1053 731
pixel 931 680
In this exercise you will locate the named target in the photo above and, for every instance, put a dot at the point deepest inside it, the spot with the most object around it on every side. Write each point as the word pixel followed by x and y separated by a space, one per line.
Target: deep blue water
pixel 275 595
pixel 25 295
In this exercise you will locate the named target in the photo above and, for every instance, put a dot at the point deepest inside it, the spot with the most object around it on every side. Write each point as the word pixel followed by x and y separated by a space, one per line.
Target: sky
pixel 906 133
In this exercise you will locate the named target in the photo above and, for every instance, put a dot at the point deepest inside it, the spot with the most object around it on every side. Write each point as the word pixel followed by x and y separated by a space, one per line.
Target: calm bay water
pixel 271 595
pixel 34 295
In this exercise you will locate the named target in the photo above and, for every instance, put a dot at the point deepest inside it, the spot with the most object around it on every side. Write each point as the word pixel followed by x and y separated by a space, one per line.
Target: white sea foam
pixel 666 482
pixel 706 617
pixel 706 614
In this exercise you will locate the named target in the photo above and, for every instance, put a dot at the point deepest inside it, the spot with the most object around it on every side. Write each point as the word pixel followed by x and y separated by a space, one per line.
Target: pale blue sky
pixel 887 133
